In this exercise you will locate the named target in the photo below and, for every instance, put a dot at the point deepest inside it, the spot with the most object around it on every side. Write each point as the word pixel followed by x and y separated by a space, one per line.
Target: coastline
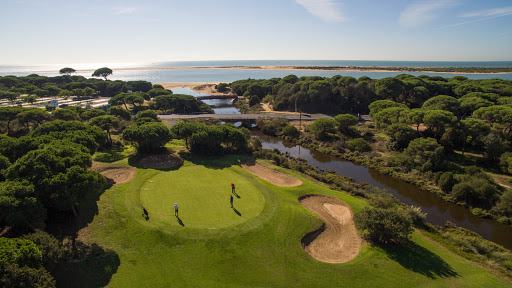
pixel 314 68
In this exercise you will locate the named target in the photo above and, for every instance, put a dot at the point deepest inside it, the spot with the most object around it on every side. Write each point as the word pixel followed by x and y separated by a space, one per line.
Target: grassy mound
pixel 263 251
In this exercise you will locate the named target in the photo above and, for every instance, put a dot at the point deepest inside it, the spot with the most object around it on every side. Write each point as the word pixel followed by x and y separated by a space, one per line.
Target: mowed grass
pixel 263 251
pixel 203 197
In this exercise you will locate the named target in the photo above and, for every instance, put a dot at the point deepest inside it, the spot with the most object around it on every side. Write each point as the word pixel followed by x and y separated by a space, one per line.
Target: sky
pixel 37 32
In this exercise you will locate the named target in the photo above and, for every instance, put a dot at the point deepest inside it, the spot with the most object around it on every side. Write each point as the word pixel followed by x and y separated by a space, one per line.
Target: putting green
pixel 203 196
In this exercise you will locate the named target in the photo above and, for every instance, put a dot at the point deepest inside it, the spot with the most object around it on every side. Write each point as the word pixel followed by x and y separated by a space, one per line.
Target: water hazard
pixel 438 210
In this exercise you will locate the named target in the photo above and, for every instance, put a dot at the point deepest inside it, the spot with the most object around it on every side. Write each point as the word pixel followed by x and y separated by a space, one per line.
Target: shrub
pixel 321 127
pixel 382 200
pixel 384 225
pixel 418 218
pixel 290 131
pixel 222 87
pixel 446 182
pixel 358 144
pixel 254 100
pixel 345 121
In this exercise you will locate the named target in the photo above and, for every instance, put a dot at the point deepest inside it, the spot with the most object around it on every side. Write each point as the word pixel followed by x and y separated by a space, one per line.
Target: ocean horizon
pixel 225 75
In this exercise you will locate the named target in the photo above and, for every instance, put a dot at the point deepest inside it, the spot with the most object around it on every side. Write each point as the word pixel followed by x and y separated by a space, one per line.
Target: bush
pixel 222 87
pixel 290 131
pixel 384 225
pixel 358 144
pixel 321 127
pixel 418 218
pixel 254 100
pixel 446 182
pixel 271 126
pixel 382 200
pixel 345 121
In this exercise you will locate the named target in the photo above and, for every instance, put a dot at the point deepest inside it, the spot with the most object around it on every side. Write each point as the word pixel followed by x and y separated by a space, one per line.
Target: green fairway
pixel 203 197
pixel 260 248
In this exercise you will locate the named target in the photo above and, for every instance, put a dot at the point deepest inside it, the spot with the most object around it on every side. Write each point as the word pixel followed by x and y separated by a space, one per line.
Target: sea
pixel 230 75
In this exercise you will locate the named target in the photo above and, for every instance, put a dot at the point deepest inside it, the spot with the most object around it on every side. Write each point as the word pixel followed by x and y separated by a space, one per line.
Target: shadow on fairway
pixel 65 224
pixel 420 260
pixel 237 212
pixel 237 196
pixel 212 162
pixel 179 221
pixel 89 266
pixel 161 159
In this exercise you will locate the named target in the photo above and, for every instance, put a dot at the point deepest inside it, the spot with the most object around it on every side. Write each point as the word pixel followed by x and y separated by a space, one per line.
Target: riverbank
pixel 447 70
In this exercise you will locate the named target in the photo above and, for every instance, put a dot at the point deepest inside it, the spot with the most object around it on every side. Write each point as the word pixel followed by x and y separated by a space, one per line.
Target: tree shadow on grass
pixel 420 260
pixel 87 266
pixel 212 162
pixel 161 160
pixel 65 224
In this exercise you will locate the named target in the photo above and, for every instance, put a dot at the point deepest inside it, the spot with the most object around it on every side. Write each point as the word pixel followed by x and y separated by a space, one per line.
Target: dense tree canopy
pixel 148 136
pixel 178 103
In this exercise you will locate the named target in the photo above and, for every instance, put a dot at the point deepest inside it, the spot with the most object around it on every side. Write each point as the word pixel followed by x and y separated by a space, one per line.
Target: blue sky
pixel 136 31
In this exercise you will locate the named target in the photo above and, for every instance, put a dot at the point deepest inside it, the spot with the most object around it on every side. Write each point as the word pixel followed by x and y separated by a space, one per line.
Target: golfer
pixel 176 209
pixel 231 200
pixel 232 187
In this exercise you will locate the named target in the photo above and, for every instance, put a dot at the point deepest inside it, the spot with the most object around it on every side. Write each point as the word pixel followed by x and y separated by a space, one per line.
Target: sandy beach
pixel 201 87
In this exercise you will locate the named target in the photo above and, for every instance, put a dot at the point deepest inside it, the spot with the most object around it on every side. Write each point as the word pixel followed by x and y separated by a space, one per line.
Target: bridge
pixel 217 97
pixel 253 117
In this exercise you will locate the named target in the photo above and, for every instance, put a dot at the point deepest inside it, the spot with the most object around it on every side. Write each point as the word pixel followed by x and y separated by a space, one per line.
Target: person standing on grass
pixel 176 209
pixel 231 200
pixel 232 187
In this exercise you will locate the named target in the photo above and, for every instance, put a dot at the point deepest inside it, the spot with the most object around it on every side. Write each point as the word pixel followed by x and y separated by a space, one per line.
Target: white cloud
pixel 494 12
pixel 327 10
pixel 420 13
pixel 124 10
pixel 484 15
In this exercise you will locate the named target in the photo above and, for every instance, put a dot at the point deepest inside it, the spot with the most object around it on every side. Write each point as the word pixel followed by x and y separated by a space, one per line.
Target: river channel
pixel 438 210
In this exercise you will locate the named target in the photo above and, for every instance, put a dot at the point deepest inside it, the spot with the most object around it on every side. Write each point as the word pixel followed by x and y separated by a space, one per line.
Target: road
pixel 241 117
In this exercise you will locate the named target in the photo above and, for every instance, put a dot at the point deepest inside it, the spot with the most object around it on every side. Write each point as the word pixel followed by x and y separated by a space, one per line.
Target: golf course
pixel 257 243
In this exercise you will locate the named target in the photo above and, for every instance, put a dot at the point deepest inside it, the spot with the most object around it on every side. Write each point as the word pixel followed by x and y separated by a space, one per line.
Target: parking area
pixel 59 102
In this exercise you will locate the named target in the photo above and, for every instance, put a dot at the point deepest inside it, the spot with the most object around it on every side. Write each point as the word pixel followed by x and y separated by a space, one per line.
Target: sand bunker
pixel 271 175
pixel 117 174
pixel 337 240
pixel 161 161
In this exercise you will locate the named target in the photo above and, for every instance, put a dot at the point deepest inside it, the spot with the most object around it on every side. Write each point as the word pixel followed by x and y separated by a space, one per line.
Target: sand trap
pixel 117 174
pixel 161 161
pixel 337 240
pixel 271 175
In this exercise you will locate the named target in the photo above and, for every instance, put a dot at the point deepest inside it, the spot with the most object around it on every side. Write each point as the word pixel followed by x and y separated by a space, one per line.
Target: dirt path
pixel 271 175
pixel 337 240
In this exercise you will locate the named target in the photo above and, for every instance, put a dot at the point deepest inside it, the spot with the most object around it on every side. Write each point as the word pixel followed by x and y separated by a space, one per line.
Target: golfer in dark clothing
pixel 232 187
pixel 231 200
